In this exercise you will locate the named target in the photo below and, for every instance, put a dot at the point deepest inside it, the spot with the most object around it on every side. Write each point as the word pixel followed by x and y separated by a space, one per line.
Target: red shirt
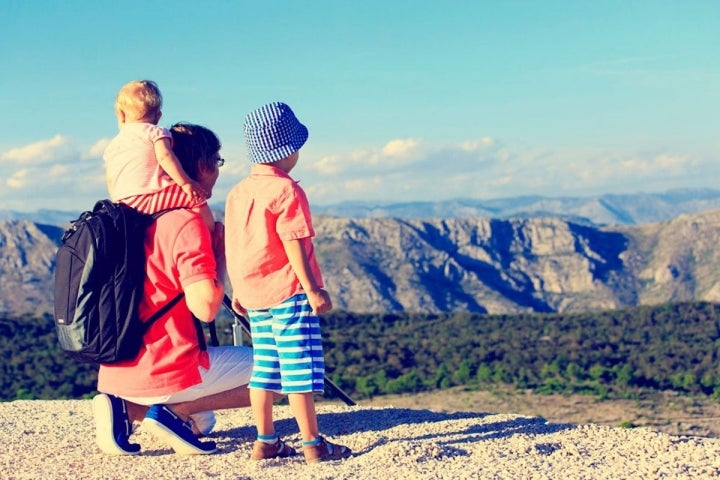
pixel 260 212
pixel 178 251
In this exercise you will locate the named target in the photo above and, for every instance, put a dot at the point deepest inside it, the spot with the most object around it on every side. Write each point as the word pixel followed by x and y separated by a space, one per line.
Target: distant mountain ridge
pixel 609 209
pixel 543 264
pixel 630 209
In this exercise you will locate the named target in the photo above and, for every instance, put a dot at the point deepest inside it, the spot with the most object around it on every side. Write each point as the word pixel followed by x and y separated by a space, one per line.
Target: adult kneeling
pixel 173 377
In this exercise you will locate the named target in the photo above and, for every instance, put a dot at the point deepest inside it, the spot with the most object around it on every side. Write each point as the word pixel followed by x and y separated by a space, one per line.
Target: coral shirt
pixel 260 212
pixel 179 252
pixel 131 167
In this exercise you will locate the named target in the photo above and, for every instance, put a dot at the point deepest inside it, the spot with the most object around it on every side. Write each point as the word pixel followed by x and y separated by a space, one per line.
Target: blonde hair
pixel 140 100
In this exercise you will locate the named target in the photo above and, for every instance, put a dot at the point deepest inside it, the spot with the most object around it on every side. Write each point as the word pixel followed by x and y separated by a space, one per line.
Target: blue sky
pixel 404 100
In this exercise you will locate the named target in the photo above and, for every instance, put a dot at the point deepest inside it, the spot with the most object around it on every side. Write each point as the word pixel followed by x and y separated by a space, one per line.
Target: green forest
pixel 607 354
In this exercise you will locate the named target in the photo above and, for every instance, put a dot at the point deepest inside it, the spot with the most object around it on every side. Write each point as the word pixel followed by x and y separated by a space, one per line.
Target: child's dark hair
pixel 194 145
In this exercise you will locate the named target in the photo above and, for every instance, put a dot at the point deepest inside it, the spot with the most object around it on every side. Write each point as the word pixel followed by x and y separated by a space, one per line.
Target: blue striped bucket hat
pixel 272 132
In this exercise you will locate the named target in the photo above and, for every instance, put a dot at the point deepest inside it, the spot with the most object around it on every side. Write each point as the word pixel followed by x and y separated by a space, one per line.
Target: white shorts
pixel 230 367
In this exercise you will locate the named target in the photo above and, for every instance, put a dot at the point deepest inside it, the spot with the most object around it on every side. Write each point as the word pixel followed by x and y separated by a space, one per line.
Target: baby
pixel 140 167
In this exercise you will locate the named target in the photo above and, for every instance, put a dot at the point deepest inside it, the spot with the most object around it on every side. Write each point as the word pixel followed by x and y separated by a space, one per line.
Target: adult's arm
pixel 204 298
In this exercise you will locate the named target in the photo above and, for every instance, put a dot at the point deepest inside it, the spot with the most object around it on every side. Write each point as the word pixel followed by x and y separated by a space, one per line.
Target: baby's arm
pixel 169 162
pixel 319 299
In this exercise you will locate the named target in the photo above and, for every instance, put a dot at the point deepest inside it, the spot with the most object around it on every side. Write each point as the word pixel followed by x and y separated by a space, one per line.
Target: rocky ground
pixel 55 440
pixel 667 412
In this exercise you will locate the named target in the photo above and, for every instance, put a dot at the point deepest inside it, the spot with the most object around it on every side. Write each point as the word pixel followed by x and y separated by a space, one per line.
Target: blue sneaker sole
pixel 182 446
pixel 102 406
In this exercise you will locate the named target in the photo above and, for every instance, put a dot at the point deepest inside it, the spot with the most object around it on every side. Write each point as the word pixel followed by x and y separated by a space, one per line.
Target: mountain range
pixel 469 263
pixel 610 209
pixel 630 209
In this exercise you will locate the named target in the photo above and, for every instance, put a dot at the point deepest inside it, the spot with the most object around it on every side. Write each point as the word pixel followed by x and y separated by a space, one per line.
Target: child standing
pixel 276 279
pixel 140 167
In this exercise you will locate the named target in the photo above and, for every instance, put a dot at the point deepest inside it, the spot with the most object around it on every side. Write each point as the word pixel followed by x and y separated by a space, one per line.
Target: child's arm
pixel 169 162
pixel 319 299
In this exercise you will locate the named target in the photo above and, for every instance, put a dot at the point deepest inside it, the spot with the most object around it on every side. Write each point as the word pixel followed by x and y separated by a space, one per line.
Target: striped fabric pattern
pixel 287 348
pixel 272 132
pixel 170 197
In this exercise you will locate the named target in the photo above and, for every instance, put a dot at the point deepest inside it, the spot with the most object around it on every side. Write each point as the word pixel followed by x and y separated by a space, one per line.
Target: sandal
pixel 325 451
pixel 279 449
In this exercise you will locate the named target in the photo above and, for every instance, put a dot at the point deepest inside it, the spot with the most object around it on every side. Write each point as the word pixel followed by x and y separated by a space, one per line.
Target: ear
pixel 203 168
pixel 120 114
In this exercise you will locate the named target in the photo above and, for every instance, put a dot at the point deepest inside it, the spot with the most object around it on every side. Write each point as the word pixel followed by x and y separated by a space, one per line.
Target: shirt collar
pixel 268 170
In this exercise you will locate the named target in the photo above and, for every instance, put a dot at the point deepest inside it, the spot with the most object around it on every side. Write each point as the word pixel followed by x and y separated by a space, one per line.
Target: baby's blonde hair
pixel 141 100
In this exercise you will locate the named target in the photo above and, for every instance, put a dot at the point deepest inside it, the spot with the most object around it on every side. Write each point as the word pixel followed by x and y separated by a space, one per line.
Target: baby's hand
pixel 193 190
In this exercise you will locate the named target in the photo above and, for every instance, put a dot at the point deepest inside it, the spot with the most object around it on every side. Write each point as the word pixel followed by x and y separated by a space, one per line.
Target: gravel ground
pixel 55 439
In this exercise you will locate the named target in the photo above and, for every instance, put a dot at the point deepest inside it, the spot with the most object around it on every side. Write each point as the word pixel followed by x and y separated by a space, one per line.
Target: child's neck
pixel 130 122
pixel 285 165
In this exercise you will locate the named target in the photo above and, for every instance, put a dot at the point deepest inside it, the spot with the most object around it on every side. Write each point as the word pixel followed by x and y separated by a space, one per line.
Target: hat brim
pixel 298 139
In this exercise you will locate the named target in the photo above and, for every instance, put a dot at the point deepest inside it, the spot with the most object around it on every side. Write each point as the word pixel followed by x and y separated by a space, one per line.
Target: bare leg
pixel 303 408
pixel 262 405
pixel 238 397
pixel 136 412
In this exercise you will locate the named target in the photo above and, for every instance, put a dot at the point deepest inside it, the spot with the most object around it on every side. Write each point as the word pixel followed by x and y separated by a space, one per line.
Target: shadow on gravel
pixel 507 428
pixel 379 420
pixel 369 420
pixel 383 419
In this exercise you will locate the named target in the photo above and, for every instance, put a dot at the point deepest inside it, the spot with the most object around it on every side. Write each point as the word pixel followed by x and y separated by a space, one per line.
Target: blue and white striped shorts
pixel 287 348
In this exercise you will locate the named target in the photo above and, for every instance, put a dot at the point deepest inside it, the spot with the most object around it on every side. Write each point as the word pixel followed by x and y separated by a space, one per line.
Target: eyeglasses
pixel 220 162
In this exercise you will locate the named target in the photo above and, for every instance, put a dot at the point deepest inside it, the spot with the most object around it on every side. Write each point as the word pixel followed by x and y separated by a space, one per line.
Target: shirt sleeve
pixel 194 258
pixel 155 133
pixel 294 220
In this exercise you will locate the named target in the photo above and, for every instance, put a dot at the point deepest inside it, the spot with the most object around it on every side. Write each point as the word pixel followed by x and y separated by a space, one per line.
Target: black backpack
pixel 99 275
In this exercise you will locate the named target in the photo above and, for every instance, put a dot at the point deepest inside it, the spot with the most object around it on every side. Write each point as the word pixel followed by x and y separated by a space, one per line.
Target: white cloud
pixel 42 151
pixel 474 145
pixel 97 149
pixel 57 172
pixel 675 162
pixel 403 147
pixel 18 179
pixel 394 154
pixel 52 173
pixel 485 168
pixel 328 165
pixel 362 185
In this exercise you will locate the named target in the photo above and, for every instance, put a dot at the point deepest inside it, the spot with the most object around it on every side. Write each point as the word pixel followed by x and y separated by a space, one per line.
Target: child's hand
pixel 319 301
pixel 238 308
pixel 193 190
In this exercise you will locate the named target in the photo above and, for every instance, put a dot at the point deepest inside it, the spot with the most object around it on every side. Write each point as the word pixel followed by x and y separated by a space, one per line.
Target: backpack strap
pixel 200 333
pixel 198 325
pixel 163 310
pixel 162 212
pixel 213 334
